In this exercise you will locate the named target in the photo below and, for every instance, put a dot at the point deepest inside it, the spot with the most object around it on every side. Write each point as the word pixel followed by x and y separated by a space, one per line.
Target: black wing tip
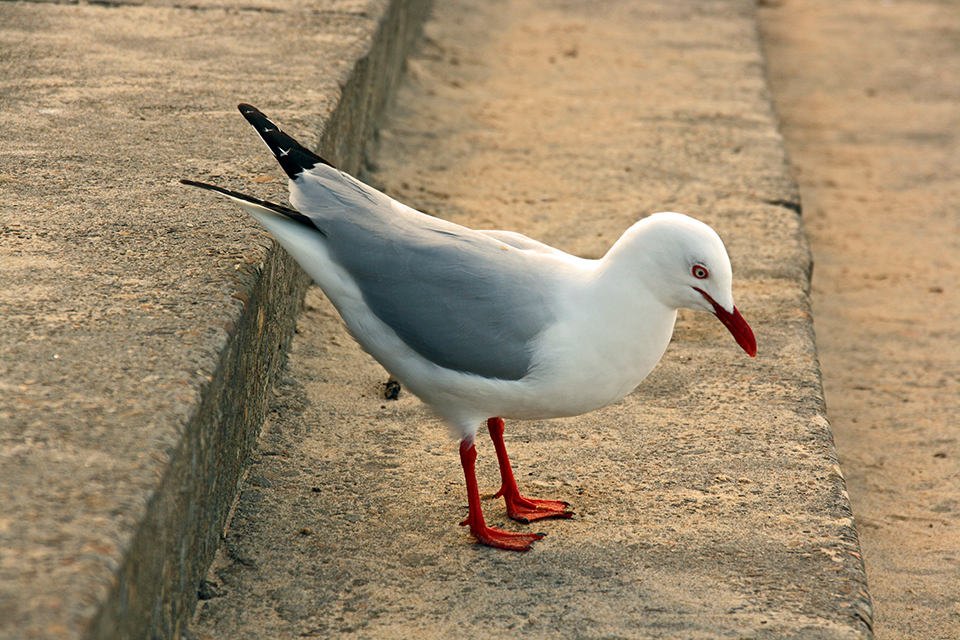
pixel 286 212
pixel 294 158
pixel 221 190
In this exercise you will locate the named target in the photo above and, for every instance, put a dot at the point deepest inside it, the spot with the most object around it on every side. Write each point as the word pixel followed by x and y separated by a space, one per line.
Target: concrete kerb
pixel 701 516
pixel 144 584
pixel 140 580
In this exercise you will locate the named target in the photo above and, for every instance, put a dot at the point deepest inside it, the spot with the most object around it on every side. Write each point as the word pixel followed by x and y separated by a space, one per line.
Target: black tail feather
pixel 293 157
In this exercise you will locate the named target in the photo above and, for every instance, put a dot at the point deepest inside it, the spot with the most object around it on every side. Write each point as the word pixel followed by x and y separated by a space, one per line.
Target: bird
pixel 488 325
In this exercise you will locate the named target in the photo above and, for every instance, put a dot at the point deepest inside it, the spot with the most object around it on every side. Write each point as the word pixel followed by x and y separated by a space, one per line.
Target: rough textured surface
pixel 872 122
pixel 143 322
pixel 709 502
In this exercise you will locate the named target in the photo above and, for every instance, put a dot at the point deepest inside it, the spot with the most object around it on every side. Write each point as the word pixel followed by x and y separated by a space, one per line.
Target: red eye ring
pixel 700 272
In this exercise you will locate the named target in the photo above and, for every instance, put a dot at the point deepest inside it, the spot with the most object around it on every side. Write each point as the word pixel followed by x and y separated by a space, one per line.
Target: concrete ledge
pixel 709 502
pixel 139 339
pixel 143 325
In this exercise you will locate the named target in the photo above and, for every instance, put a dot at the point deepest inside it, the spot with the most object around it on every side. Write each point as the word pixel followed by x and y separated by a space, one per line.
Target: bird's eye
pixel 700 272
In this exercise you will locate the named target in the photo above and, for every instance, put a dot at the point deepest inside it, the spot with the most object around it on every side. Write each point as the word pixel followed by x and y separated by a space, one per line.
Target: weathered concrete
pixel 709 503
pixel 143 324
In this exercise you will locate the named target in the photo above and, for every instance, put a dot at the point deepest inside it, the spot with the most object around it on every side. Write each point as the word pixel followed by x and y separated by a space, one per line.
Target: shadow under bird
pixel 487 325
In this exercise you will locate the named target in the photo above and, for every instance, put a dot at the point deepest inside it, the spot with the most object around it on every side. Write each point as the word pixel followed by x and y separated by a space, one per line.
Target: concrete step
pixel 147 324
pixel 144 322
pixel 709 502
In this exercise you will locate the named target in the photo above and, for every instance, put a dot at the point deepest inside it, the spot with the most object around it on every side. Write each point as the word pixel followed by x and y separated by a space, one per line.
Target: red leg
pixel 519 508
pixel 490 536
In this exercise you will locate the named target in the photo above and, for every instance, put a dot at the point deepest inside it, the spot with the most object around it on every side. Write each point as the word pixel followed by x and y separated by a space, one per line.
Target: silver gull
pixel 487 325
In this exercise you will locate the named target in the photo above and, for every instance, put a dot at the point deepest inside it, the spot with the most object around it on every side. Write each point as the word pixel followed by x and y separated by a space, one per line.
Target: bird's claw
pixel 495 537
pixel 527 510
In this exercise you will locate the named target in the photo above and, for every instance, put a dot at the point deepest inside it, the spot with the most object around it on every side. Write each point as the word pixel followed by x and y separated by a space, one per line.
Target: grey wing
pixel 459 298
pixel 520 241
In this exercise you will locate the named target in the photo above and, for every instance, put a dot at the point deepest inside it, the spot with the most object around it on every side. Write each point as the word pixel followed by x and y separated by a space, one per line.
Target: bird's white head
pixel 684 264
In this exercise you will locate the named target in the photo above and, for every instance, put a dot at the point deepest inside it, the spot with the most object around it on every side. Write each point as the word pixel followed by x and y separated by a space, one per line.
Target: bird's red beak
pixel 737 326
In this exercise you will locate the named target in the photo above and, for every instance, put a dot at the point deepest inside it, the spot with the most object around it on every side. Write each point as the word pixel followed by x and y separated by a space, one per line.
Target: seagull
pixel 492 325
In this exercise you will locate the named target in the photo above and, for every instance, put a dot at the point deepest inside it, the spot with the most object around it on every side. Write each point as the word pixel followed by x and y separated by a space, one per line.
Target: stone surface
pixel 709 502
pixel 872 122
pixel 143 322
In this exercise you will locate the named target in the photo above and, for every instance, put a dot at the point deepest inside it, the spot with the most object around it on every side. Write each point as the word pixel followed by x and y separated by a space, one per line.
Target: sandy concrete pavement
pixel 869 94
pixel 142 324
pixel 709 502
